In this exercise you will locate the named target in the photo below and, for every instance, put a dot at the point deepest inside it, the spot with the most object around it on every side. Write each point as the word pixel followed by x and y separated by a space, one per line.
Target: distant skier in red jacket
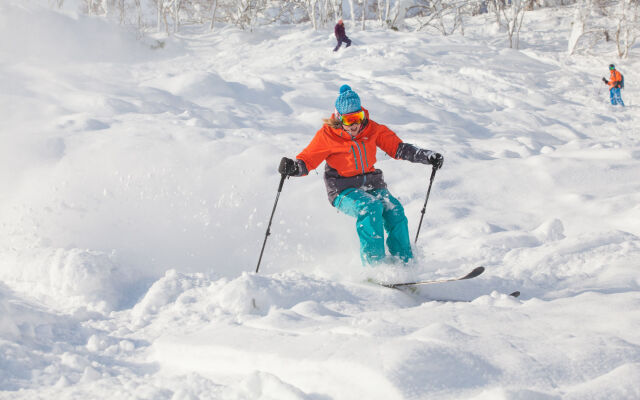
pixel 341 35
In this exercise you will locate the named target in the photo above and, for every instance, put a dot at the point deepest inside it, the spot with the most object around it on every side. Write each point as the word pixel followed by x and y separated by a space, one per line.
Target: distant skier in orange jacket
pixel 615 84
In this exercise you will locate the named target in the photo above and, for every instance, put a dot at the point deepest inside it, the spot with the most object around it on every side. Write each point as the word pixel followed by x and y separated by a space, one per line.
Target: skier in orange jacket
pixel 348 143
pixel 615 84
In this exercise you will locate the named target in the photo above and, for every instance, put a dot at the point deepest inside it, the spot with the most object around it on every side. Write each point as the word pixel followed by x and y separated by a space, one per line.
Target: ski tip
pixel 476 271
pixel 515 294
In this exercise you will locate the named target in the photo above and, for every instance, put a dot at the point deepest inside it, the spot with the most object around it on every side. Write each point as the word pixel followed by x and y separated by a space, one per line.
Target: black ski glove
pixel 605 80
pixel 429 157
pixel 288 167
pixel 291 167
pixel 412 153
pixel 436 160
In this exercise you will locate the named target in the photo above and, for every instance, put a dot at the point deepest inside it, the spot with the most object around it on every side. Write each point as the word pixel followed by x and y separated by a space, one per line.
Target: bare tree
pixel 214 9
pixel 621 17
pixel 383 11
pixel 398 13
pixel 628 26
pixel 352 10
pixel 510 16
pixel 585 33
pixel 364 13
pixel 443 15
pixel 336 7
pixel 578 26
pixel 514 18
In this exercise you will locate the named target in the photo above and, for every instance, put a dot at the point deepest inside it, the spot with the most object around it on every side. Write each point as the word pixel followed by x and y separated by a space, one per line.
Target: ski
pixel 474 273
pixel 411 286
pixel 513 294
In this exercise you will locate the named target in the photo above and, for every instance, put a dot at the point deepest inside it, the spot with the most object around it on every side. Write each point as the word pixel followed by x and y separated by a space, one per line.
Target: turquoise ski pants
pixel 377 211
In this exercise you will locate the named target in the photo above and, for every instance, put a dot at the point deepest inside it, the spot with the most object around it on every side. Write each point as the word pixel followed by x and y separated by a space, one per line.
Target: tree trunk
pixel 159 20
pixel 364 13
pixel 214 8
pixel 353 13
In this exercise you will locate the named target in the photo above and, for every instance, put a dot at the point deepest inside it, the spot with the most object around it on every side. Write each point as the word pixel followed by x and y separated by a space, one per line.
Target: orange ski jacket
pixel 614 79
pixel 350 156
pixel 350 161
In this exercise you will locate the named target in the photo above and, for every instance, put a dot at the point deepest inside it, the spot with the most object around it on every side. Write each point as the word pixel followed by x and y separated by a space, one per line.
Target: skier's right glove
pixel 291 167
pixel 605 80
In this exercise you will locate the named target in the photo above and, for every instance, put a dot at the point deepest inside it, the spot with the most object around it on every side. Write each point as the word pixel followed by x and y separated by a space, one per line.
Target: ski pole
pixel 270 220
pixel 433 174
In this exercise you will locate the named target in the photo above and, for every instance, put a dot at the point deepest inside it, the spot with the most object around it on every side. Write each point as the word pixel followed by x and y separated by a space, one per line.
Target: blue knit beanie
pixel 348 101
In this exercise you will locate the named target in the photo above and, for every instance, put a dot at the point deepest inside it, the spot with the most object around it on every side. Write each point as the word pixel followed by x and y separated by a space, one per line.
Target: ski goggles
pixel 352 118
pixel 612 68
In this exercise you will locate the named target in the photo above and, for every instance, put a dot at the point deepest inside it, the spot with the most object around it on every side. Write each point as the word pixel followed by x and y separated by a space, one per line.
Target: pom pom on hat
pixel 348 101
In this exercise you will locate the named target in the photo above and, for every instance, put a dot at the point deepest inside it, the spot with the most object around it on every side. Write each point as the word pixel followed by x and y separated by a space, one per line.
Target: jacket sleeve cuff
pixel 302 168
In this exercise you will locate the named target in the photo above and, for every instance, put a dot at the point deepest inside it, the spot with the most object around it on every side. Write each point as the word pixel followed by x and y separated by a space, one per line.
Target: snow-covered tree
pixel 597 21
pixel 398 13
pixel 510 16
pixel 383 11
pixel 579 23
pixel 628 26
pixel 443 15
pixel 365 5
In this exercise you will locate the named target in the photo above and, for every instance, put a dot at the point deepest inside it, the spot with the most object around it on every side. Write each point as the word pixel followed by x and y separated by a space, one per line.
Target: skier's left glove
pixel 429 157
pixel 436 160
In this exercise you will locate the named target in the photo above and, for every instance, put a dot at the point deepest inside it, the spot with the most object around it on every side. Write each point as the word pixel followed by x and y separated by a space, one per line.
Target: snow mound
pixel 34 343
pixel 290 295
pixel 74 278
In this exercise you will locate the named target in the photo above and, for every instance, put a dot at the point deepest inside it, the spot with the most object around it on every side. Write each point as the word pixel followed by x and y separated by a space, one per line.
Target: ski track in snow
pixel 137 184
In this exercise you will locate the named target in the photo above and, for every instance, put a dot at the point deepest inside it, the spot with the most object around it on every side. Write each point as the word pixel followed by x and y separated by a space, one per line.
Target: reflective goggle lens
pixel 352 118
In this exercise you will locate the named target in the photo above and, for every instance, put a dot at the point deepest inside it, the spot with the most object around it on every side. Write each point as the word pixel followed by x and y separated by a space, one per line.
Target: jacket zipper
pixel 360 153
pixel 355 158
pixel 364 176
pixel 364 148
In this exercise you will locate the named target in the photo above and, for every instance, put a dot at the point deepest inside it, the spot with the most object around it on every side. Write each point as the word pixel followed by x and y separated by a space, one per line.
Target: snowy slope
pixel 137 184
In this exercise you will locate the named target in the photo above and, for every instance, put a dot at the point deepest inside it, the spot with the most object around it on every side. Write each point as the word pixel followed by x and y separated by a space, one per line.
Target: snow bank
pixel 34 343
pixel 178 294
pixel 68 279
pixel 442 351
pixel 31 30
